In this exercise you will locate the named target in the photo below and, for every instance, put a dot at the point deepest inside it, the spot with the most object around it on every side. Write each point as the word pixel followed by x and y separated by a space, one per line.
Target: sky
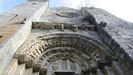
pixel 121 8
pixel 8 4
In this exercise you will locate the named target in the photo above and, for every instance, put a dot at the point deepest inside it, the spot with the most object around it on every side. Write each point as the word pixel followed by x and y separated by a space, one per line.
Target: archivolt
pixel 53 54
pixel 41 46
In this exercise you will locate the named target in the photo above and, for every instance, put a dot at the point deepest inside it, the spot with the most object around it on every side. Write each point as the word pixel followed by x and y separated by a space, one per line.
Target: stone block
pixel 123 45
pixel 128 32
pixel 130 44
pixel 47 25
pixel 5 18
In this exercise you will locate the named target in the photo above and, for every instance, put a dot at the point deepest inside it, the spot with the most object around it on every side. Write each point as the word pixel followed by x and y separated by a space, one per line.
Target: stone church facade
pixel 38 40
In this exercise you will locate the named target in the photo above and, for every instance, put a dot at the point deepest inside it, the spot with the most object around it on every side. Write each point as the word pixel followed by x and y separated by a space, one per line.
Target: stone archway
pixel 46 50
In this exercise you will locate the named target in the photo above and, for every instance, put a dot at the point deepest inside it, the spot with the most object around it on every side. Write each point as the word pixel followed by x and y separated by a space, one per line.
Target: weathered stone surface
pixel 12 67
pixel 51 15
pixel 65 40
pixel 14 33
pixel 117 32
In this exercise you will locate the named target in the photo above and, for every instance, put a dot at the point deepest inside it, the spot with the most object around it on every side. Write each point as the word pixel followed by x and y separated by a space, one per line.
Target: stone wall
pixel 117 35
pixel 15 26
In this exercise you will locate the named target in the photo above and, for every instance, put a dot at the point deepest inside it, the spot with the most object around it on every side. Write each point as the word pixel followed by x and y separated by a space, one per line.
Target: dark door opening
pixel 64 73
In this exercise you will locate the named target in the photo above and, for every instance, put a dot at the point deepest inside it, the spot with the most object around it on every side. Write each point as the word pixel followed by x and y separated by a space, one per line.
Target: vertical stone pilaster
pixel 22 20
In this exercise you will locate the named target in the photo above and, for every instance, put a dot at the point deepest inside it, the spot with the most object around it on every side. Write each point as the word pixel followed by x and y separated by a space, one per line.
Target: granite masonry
pixel 38 40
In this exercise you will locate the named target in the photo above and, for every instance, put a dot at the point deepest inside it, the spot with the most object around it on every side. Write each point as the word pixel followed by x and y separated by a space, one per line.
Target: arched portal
pixel 58 53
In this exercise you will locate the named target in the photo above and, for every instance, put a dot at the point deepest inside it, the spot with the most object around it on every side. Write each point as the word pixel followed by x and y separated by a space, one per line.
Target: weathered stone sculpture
pixel 37 40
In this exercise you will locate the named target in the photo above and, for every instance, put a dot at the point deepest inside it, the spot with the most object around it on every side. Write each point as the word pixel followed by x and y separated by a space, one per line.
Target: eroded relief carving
pixel 45 50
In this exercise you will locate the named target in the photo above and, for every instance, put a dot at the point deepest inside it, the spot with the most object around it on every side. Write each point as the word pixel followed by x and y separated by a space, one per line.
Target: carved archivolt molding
pixel 44 50
pixel 51 55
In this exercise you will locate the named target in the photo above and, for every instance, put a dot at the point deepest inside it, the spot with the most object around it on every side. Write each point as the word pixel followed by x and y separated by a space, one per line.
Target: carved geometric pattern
pixel 44 50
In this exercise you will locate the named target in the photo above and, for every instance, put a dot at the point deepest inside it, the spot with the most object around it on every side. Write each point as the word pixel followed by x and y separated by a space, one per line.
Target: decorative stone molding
pixel 44 50
pixel 63 26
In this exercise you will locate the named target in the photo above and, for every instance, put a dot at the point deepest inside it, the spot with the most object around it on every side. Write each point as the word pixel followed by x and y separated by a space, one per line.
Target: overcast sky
pixel 120 8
